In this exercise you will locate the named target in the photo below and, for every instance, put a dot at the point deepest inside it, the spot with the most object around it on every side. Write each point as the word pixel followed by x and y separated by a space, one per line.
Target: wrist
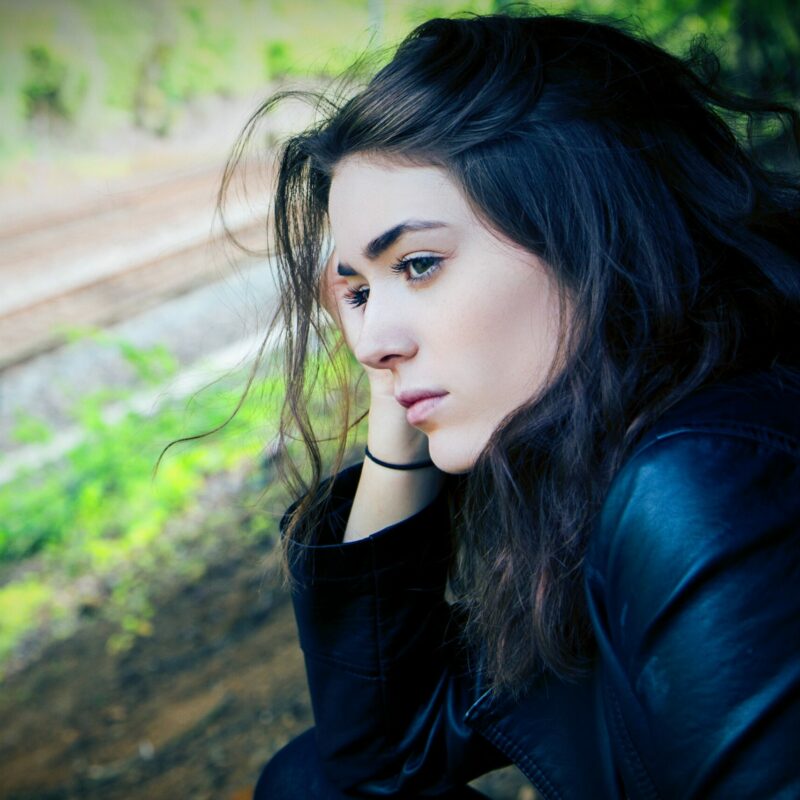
pixel 385 497
pixel 412 465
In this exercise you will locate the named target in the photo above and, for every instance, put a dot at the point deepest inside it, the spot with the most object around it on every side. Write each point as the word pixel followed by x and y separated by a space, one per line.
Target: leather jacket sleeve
pixel 389 683
pixel 696 603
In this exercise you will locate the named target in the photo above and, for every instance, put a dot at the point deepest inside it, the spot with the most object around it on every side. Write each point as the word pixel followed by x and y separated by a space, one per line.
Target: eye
pixel 418 268
pixel 356 297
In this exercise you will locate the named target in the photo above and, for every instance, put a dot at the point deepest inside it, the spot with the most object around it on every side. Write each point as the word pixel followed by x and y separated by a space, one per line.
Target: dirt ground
pixel 194 710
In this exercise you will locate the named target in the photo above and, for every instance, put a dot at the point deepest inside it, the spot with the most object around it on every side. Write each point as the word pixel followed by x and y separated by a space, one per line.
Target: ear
pixel 325 288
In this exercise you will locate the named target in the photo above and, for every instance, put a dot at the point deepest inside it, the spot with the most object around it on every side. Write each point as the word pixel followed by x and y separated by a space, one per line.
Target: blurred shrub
pixel 105 489
pixel 22 605
pixel 52 87
pixel 278 58
pixel 95 63
pixel 100 513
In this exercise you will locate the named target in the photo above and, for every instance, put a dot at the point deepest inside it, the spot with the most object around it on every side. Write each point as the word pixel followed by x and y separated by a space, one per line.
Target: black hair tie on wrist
pixel 415 465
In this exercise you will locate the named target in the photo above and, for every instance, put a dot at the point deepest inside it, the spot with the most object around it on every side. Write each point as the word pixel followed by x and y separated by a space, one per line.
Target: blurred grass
pixel 100 514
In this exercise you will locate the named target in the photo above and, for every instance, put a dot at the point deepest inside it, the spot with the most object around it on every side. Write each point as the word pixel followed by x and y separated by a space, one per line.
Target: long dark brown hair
pixel 614 162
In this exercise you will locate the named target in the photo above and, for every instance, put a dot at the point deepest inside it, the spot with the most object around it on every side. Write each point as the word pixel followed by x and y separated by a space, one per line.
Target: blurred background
pixel 147 647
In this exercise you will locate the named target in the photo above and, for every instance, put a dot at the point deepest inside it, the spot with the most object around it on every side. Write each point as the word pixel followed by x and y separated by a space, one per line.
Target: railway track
pixel 112 256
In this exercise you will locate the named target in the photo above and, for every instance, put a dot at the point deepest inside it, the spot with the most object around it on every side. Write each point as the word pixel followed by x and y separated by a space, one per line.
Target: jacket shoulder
pixel 691 584
pixel 761 406
pixel 721 465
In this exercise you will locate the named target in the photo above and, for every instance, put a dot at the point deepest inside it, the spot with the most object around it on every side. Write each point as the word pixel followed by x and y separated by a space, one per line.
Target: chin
pixel 455 460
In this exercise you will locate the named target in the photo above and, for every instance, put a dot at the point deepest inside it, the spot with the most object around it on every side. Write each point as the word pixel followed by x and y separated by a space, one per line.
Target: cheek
pixel 475 347
pixel 506 346
pixel 497 324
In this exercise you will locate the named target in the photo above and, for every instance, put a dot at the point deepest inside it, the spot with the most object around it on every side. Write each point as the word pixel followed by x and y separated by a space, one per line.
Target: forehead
pixel 371 195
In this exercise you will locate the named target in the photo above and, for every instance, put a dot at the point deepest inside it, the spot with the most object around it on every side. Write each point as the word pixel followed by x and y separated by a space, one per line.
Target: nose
pixel 385 337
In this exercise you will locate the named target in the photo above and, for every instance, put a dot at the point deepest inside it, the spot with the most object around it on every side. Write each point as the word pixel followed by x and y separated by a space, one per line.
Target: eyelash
pixel 356 297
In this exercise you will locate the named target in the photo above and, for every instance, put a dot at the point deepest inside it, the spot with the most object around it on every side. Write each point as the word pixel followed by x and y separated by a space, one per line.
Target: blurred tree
pixel 152 109
pixel 760 58
pixel 766 61
pixel 759 41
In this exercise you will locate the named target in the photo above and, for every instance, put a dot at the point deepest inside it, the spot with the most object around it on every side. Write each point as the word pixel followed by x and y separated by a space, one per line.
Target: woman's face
pixel 439 300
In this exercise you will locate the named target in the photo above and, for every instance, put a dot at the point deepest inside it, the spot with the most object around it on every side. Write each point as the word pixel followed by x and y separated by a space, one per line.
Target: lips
pixel 407 399
pixel 420 403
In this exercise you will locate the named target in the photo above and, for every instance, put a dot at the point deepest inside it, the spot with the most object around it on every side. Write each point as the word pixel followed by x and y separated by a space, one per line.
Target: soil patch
pixel 194 710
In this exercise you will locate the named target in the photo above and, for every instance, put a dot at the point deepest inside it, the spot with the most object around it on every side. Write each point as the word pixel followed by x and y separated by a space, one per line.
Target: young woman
pixel 574 542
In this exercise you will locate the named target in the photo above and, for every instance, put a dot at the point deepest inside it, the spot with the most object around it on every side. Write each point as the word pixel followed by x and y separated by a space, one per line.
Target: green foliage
pixel 30 430
pixel 153 364
pixel 97 62
pixel 102 513
pixel 92 62
pixel 414 13
pixel 52 86
pixel 123 37
pixel 195 59
pixel 104 492
pixel 22 604
pixel 278 58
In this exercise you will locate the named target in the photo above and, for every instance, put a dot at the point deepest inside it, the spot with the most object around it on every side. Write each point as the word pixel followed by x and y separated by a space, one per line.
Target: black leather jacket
pixel 693 584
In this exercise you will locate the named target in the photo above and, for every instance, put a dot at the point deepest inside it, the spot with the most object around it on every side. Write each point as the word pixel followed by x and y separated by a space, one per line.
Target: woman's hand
pixel 389 437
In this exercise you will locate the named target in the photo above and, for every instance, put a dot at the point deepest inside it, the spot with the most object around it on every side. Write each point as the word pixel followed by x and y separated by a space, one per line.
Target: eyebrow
pixel 381 243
